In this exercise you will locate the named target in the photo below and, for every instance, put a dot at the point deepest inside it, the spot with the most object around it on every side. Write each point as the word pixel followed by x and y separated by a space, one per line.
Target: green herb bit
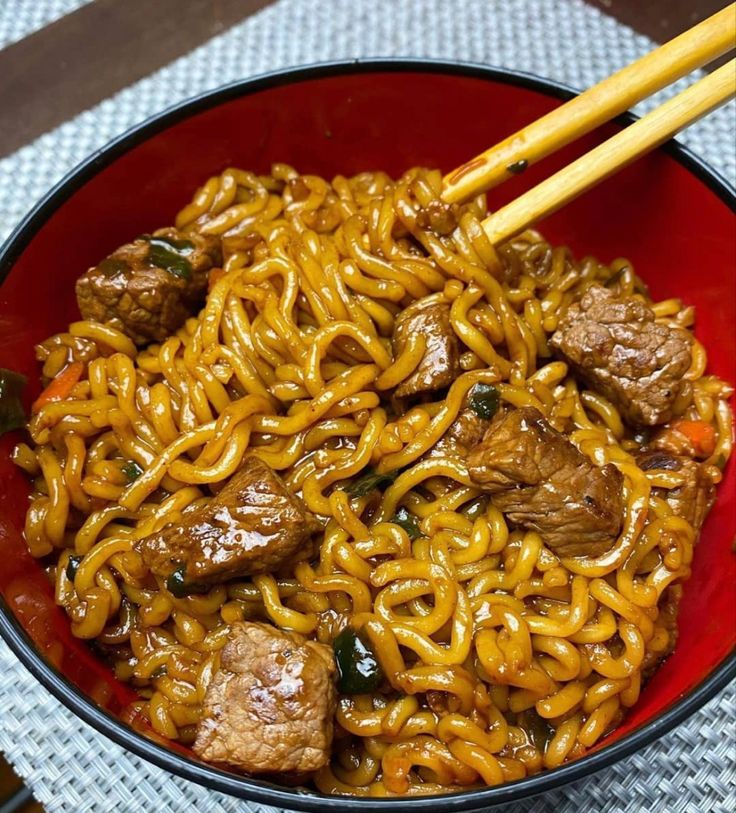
pixel 178 585
pixel 131 470
pixel 407 521
pixel 182 246
pixel 484 400
pixel 170 254
pixel 357 667
pixel 12 414
pixel 475 508
pixel 370 481
pixel 112 266
pixel 517 167
pixel 160 671
pixel 72 566
pixel 538 729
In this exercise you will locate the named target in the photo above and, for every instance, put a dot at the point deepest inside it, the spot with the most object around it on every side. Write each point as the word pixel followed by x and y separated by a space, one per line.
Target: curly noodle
pixel 500 658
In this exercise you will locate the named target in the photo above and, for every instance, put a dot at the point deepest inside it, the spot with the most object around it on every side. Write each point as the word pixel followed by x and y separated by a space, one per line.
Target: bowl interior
pixel 675 229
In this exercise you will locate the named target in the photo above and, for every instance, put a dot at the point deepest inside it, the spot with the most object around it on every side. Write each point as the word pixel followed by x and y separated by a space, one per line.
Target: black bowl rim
pixel 252 789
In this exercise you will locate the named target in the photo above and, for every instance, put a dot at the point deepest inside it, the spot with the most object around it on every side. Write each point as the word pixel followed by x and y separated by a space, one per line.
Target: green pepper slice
pixel 358 669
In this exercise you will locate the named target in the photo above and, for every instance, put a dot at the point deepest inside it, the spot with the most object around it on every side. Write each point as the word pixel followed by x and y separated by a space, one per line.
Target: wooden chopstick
pixel 604 101
pixel 613 154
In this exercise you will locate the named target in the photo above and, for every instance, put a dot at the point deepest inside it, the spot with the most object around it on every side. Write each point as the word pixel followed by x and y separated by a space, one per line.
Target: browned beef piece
pixel 695 497
pixel 542 482
pixel 440 365
pixel 149 287
pixel 254 525
pixel 439 216
pixel 615 345
pixel 464 433
pixel 270 706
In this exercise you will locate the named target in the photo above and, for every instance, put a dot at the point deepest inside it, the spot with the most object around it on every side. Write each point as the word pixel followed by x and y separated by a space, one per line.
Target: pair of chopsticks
pixel 697 47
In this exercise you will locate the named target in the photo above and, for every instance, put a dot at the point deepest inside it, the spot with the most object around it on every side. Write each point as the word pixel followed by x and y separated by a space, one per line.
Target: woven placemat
pixel 19 18
pixel 71 768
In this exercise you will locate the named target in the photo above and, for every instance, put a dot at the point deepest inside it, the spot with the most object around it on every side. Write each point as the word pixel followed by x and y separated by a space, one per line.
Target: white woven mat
pixel 72 769
pixel 19 18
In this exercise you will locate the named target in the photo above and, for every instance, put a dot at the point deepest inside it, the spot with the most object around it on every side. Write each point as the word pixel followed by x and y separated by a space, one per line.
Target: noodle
pixel 500 658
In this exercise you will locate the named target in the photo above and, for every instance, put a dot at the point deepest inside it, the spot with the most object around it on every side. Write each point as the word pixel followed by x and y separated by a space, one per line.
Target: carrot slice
pixel 701 435
pixel 215 275
pixel 61 385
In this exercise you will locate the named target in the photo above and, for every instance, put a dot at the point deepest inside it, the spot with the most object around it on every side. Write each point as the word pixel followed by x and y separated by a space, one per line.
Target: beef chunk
pixel 542 482
pixel 463 434
pixel 439 216
pixel 615 345
pixel 254 525
pixel 270 706
pixel 695 497
pixel 440 365
pixel 149 287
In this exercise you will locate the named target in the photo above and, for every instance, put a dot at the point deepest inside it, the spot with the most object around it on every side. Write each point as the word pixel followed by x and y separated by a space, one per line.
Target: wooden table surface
pixel 41 86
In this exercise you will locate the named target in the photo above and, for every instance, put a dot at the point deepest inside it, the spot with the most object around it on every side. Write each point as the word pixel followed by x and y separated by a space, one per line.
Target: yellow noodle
pixel 478 627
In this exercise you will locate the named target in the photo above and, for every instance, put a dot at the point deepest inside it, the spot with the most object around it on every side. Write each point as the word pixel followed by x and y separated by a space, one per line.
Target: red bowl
pixel 669 214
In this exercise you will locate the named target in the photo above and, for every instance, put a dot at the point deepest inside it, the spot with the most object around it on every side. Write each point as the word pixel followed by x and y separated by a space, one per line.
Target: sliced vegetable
pixel 60 386
pixel 178 585
pixel 357 667
pixel 72 566
pixel 12 415
pixel 407 521
pixel 370 481
pixel 112 266
pixel 475 508
pixel 484 400
pixel 170 254
pixel 701 435
pixel 131 470
pixel 537 727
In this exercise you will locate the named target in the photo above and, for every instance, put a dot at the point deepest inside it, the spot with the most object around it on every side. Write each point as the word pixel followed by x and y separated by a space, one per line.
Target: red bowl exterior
pixel 667 213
